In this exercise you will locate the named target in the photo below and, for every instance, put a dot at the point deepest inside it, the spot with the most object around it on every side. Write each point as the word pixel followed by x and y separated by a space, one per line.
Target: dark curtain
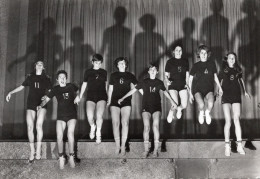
pixel 66 33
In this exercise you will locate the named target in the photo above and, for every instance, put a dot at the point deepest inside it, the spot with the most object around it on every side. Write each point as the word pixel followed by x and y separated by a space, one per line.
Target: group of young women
pixel 181 85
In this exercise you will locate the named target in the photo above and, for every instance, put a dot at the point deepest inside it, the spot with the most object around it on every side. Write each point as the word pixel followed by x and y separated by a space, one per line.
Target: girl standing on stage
pixel 67 115
pixel 121 83
pixel 151 107
pixel 177 75
pixel 39 83
pixel 95 79
pixel 231 80
pixel 201 82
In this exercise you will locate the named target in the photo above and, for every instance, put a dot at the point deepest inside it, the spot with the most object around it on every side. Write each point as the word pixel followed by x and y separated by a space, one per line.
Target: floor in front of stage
pixel 177 159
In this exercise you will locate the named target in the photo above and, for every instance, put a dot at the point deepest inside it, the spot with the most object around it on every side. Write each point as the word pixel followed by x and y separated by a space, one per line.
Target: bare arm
pixel 44 102
pixel 187 79
pixel 127 95
pixel 110 91
pixel 218 84
pixel 167 76
pixel 242 83
pixel 190 85
pixel 19 88
pixel 83 88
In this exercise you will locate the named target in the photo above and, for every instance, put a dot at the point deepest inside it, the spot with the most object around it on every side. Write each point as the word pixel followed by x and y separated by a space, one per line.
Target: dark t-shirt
pixel 38 87
pixel 151 89
pixel 230 82
pixel 177 69
pixel 96 80
pixel 121 82
pixel 203 73
pixel 65 97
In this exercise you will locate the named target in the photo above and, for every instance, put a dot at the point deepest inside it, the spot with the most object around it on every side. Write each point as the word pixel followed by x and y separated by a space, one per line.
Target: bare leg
pixel 40 119
pixel 156 122
pixel 100 108
pixel 115 114
pixel 60 127
pixel 125 113
pixel 146 120
pixel 30 117
pixel 71 128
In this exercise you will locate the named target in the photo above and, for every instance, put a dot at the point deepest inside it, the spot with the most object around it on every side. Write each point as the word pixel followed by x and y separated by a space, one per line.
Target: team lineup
pixel 181 85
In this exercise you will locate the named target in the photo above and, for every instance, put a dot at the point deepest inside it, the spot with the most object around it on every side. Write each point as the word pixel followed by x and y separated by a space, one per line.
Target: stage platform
pixel 177 159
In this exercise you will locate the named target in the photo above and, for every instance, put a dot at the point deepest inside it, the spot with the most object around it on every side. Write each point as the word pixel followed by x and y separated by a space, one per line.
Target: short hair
pixel 153 65
pixel 203 47
pixel 119 59
pixel 97 57
pixel 62 72
pixel 179 44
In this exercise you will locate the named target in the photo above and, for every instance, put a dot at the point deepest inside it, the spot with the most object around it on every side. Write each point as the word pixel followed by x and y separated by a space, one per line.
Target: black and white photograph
pixel 104 89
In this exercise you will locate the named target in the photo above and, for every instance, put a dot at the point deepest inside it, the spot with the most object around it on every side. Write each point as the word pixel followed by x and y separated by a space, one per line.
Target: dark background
pixel 66 33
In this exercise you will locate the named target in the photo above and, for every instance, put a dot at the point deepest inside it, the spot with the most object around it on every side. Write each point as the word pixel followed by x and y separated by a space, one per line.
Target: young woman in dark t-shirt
pixel 120 83
pixel 65 94
pixel 39 83
pixel 176 76
pixel 203 74
pixel 231 80
pixel 151 106
pixel 95 81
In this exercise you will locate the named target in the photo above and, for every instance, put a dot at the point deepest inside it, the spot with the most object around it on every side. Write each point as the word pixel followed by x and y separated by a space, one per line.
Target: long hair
pixel 237 67
pixel 34 66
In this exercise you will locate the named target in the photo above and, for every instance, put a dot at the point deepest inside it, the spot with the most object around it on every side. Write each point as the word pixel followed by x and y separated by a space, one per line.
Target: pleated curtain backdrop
pixel 66 33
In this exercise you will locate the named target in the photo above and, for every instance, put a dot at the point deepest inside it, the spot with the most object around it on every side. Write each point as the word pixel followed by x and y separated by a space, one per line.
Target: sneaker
pixel 98 138
pixel 179 113
pixel 72 161
pixel 117 151
pixel 249 145
pixel 227 150
pixel 201 117
pixel 123 151
pixel 38 156
pixel 145 154
pixel 240 149
pixel 92 132
pixel 208 117
pixel 155 153
pixel 170 116
pixel 62 162
pixel 31 158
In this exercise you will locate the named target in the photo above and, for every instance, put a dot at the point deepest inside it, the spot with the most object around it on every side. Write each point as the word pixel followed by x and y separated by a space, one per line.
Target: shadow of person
pixel 46 46
pixel 247 33
pixel 189 46
pixel 148 45
pixel 78 56
pixel 116 40
pixel 214 32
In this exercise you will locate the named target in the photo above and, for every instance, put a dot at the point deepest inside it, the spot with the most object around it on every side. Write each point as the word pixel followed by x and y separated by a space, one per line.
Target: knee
pixel 201 106
pixel 99 116
pixel 155 127
pixel 228 124
pixel 116 124
pixel 39 127
pixel 30 127
pixel 125 124
pixel 146 129
pixel 70 135
pixel 59 137
pixel 90 117
pixel 236 120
